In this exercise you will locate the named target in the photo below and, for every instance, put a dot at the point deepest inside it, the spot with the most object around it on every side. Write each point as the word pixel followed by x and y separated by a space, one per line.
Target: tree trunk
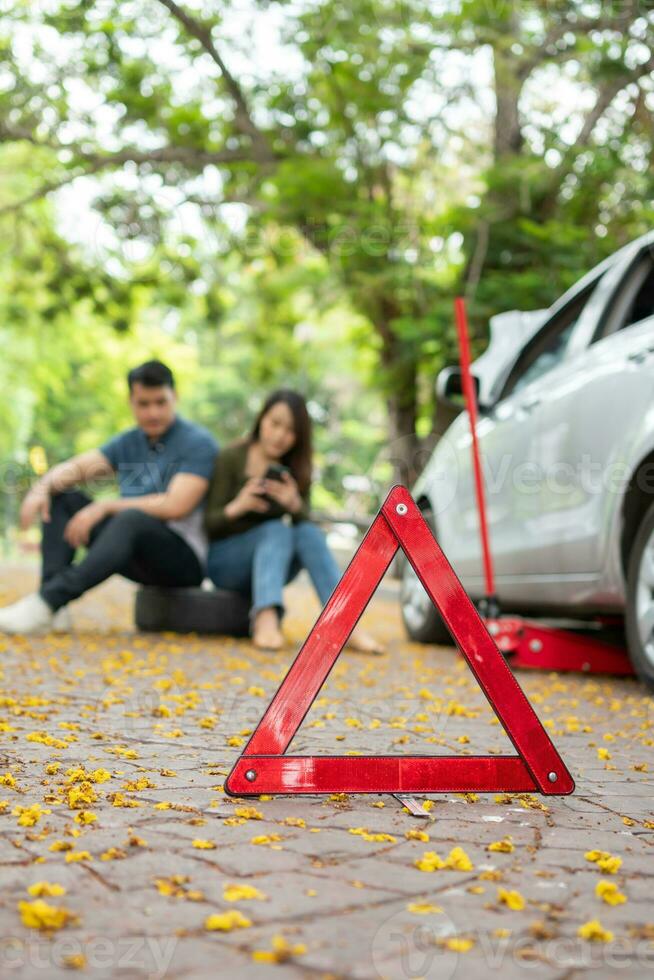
pixel 507 137
pixel 401 382
pixel 404 447
pixel 507 143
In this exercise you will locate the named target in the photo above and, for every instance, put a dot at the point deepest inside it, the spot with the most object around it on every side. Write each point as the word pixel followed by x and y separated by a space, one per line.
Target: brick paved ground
pixel 135 735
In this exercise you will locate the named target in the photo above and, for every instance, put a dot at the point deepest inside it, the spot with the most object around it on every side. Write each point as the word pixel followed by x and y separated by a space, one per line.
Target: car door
pixel 589 418
pixel 509 449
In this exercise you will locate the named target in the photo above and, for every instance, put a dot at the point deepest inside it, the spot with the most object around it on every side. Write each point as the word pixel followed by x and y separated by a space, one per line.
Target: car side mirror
pixel 449 388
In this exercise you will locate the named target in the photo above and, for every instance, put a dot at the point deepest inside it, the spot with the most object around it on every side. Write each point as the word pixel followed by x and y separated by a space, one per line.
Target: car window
pixel 633 301
pixel 640 294
pixel 549 347
pixel 643 304
pixel 549 358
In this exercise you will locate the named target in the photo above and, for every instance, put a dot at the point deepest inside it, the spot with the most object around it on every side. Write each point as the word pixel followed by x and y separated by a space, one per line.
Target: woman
pixel 253 549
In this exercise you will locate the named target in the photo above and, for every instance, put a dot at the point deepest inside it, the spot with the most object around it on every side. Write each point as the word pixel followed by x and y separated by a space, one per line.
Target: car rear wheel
pixel 639 617
pixel 421 619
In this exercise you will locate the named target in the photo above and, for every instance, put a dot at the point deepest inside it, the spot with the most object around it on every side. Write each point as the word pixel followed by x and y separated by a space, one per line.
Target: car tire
pixel 421 619
pixel 639 613
pixel 158 610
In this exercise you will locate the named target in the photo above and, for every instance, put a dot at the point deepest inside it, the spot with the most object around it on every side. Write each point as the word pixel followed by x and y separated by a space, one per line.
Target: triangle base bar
pixel 256 774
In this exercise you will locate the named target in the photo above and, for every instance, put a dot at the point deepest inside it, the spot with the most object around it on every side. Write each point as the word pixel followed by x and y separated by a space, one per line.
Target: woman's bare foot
pixel 363 642
pixel 266 634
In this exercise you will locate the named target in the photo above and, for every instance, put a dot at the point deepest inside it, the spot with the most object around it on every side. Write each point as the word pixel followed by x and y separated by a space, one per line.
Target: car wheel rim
pixel 415 601
pixel 645 600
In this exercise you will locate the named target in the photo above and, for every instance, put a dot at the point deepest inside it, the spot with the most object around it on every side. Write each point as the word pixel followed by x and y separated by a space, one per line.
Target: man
pixel 152 533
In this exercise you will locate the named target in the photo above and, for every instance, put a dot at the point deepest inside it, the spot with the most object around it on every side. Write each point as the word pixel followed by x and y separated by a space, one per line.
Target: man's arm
pixel 83 468
pixel 184 493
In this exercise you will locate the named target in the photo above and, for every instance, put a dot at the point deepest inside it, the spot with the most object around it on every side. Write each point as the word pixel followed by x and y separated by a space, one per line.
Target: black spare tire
pixel 158 610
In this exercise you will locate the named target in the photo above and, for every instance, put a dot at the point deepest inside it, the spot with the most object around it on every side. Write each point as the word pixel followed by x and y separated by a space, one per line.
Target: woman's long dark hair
pixel 298 458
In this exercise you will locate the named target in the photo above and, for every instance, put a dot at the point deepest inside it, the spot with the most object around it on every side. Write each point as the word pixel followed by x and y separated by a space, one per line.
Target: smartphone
pixel 275 471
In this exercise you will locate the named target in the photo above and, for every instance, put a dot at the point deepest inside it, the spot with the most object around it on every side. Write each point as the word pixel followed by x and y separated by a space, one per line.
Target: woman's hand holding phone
pixel 284 492
pixel 248 499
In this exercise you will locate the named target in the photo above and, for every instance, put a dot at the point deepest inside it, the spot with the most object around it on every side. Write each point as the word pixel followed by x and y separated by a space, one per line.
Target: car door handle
pixel 530 404
pixel 638 356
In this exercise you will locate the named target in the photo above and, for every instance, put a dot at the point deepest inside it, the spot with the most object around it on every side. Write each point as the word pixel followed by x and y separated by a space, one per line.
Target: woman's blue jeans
pixel 261 561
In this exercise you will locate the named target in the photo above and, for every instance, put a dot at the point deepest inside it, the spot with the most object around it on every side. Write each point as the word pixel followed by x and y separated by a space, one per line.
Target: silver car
pixel 566 433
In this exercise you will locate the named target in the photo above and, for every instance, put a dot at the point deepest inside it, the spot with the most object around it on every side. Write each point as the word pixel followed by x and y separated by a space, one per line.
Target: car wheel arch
pixel 423 622
pixel 635 503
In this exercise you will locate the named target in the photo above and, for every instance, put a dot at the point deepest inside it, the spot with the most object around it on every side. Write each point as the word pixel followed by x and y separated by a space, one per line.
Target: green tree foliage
pixel 381 156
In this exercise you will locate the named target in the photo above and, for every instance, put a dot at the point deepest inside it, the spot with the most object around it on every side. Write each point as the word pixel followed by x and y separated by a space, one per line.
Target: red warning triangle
pixel 265 768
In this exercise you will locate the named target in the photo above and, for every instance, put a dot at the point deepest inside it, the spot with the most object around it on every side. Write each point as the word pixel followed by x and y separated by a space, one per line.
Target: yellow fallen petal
pixel 76 961
pixel 240 893
pixel 281 951
pixel 504 846
pixel 423 908
pixel 457 944
pixel 226 921
pixel 29 816
pixel 85 817
pixel 265 838
pixel 608 891
pixel 514 900
pixel 458 860
pixel 416 835
pixel 430 861
pixel 45 888
pixel 40 915
pixel 248 813
pixel 605 862
pixel 375 838
pixel 78 856
pixel 593 931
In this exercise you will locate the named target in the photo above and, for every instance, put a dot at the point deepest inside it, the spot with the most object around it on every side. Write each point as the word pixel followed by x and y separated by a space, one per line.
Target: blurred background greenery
pixel 291 193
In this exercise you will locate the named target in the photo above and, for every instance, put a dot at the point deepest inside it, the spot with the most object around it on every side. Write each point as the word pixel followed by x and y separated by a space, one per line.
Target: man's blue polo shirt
pixel 146 466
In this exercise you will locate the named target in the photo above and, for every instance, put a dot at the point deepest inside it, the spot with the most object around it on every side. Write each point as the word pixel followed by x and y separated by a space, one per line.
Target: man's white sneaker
pixel 29 615
pixel 62 621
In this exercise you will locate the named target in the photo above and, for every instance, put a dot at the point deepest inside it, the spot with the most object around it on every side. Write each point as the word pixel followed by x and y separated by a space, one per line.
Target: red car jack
pixel 526 643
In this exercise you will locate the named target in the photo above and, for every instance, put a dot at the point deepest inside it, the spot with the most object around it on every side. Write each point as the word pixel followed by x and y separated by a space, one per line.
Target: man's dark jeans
pixel 131 543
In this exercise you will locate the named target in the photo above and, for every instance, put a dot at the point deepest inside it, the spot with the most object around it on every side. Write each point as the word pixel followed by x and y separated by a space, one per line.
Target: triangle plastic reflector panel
pixel 265 768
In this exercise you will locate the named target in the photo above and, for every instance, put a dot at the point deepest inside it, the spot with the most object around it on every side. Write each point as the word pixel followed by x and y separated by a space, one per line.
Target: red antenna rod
pixel 471 405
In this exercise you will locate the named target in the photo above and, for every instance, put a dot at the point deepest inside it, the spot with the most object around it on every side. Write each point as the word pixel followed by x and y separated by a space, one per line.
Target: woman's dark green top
pixel 227 480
